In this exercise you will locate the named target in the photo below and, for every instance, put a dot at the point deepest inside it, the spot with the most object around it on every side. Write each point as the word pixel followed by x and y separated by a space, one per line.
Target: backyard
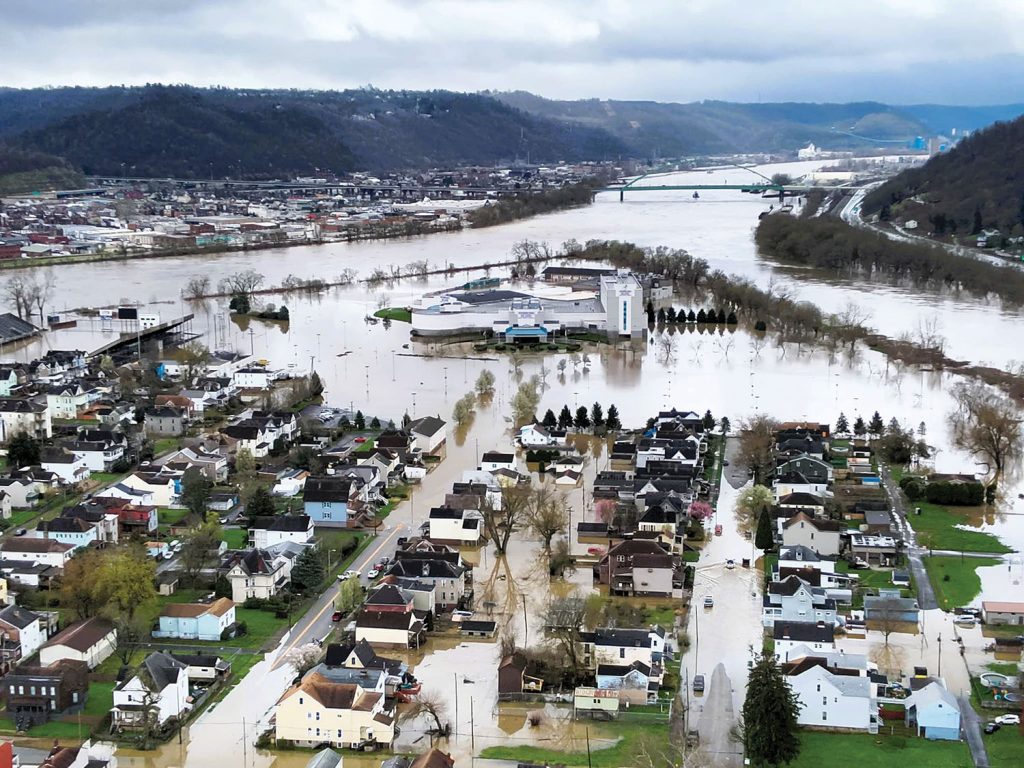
pixel 634 740
pixel 936 528
pixel 856 750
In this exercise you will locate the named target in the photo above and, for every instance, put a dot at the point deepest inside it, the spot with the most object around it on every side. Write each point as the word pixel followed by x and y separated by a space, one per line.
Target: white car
pixel 1008 719
pixel 373 574
pixel 709 602
pixel 349 575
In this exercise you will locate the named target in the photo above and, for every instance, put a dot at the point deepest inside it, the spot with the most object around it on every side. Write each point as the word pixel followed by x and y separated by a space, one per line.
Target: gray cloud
pixel 900 51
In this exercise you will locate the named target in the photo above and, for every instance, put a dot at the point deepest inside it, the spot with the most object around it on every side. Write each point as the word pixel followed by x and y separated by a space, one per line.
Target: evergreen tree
pixel 261 504
pixel 708 421
pixel 582 420
pixel 316 385
pixel 360 421
pixel 721 317
pixel 650 313
pixel 597 415
pixel 842 425
pixel 770 714
pixel 661 316
pixel 308 571
pixel 691 317
pixel 894 426
pixel 764 539
pixel 731 319
pixel 725 425
pixel 876 426
pixel 564 418
pixel 374 423
pixel 670 315
pixel 702 317
pixel 612 421
pixel 550 420
pixel 195 491
pixel 859 427
pixel 23 451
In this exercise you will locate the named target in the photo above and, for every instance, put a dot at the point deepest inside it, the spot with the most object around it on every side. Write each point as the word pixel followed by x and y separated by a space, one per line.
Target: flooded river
pixel 379 370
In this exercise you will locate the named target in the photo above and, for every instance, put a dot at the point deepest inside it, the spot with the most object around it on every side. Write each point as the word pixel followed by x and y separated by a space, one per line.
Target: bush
pixel 955 494
pixel 915 489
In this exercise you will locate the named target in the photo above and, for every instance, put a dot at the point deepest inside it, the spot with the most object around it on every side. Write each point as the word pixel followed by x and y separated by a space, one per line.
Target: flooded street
pixel 376 368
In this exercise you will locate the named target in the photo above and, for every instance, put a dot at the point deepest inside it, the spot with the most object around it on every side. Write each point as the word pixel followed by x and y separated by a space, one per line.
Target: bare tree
pixel 757 446
pixel 432 706
pixel 42 292
pixel 546 514
pixel 242 283
pixel 196 287
pixel 130 634
pixel 17 292
pixel 347 276
pixel 887 616
pixel 193 358
pixel 988 426
pixel 501 522
pixel 563 622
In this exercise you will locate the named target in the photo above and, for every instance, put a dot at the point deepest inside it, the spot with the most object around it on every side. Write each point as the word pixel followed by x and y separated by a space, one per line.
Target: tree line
pixel 670 316
pixel 583 419
pixel 833 245
pixel 527 203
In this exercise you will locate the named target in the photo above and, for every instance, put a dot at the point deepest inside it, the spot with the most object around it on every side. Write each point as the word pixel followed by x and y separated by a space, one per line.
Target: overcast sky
pixel 898 51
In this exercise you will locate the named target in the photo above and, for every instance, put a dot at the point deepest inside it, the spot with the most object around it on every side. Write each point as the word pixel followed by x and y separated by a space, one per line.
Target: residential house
pixel 660 520
pixel 889 607
pixel 252 378
pixel 513 681
pixel 447 577
pixel 399 629
pixel 633 682
pixel 879 522
pixel 99 455
pixel 812 469
pixel 271 530
pixel 24 627
pixel 539 436
pixel 463 527
pixel 213 464
pixel 249 435
pixel 875 550
pixel 43 551
pixel 807 635
pixel 360 655
pixel 822 536
pixel 1002 612
pixel 72 468
pixel 36 693
pixel 832 697
pixel 290 482
pixel 255 573
pixel 165 421
pixel 18 414
pixel 6 507
pixel 623 646
pixel 433 758
pixel 639 567
pixel 933 712
pixel 66 400
pixel 492 460
pixel 91 641
pixel 795 483
pixel 21 493
pixel 810 504
pixel 325 500
pixel 163 488
pixel 203 667
pixel 159 686
pixel 795 600
pixel 320 711
pixel 8 380
pixel 68 530
pixel 197 621
pixel 429 433
pixel 593 702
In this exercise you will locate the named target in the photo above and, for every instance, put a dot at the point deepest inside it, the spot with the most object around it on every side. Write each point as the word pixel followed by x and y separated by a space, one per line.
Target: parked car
pixel 698 683
pixel 718 530
pixel 359 440
pixel 1008 719
pixel 965 620
pixel 991 727
pixel 336 616
pixel 349 574
pixel 21 532
pixel 709 602
pixel 373 573
pixel 730 564
pixel 975 612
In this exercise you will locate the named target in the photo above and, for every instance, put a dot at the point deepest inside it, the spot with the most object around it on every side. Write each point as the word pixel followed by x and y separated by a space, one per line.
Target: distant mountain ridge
pixel 158 130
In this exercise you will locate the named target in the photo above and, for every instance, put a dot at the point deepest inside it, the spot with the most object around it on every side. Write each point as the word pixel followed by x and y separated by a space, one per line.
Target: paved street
pixel 925 594
pixel 717 720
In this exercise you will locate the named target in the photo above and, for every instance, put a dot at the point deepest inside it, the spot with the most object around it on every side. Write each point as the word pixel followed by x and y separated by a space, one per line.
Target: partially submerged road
pixel 717 719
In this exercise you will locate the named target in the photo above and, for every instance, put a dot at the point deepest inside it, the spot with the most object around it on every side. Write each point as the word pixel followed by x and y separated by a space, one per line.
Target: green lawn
pixel 20 517
pixel 170 516
pixel 955 580
pixel 100 700
pixel 624 753
pixel 662 615
pixel 107 478
pixel 857 750
pixel 236 538
pixel 165 445
pixel 261 626
pixel 51 730
pixel 936 528
pixel 1005 748
pixel 400 314
pixel 365 447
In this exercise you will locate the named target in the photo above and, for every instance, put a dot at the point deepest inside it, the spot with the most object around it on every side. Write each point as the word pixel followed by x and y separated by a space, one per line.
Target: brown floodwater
pixel 376 368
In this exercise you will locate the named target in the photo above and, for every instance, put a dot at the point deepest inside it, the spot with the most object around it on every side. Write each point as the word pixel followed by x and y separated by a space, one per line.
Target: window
pixel 622 653
pixel 824 701
pixel 318 717
pixel 300 700
pixel 818 688
pixel 824 715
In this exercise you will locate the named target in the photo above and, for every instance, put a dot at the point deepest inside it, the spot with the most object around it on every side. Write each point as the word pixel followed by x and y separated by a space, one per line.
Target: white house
pixel 161 685
pixel 792 637
pixel 793 599
pixel 833 699
pixel 822 536
pixel 71 468
pixel 252 378
pixel 91 641
pixel 539 436
pixel 624 646
pixel 163 488
pixel 272 530
pixel 290 482
pixel 492 461
pixel 46 552
pixel 22 492
pixel 455 526
pixel 24 627
pixel 68 530
pixel 256 573
pixel 18 414
pixel 429 433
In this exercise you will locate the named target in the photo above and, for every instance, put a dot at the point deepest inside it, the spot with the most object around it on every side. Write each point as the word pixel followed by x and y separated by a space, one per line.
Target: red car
pixel 718 530
pixel 359 440
pixel 336 616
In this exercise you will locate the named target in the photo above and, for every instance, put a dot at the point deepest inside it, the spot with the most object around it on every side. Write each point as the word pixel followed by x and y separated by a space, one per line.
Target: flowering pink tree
pixel 701 511
pixel 605 511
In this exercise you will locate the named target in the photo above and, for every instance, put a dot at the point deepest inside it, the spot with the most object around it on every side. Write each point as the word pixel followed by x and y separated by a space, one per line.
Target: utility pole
pixel 472 727
pixel 252 344
pixel 526 628
pixel 455 729
pixel 589 763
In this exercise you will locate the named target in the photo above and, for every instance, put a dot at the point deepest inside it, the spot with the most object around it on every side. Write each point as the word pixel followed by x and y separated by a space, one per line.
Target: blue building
pixel 325 500
pixel 198 621
pixel 934 712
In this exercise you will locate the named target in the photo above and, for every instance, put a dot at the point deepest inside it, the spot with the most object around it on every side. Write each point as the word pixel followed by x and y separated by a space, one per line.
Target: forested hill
pixel 977 185
pixel 27 171
pixel 192 132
